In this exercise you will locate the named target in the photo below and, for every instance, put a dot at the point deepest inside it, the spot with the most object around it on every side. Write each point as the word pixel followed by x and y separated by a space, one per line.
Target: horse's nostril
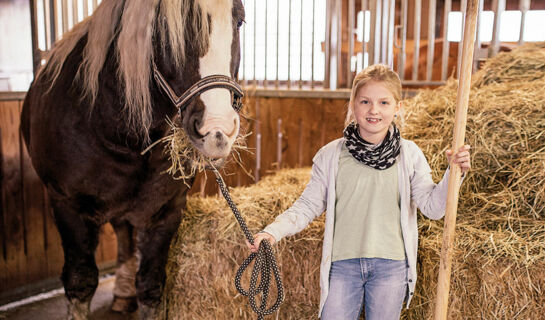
pixel 196 129
pixel 218 135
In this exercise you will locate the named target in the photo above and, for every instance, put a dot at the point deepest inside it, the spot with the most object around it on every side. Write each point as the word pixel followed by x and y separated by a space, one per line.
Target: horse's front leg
pixel 153 245
pixel 79 240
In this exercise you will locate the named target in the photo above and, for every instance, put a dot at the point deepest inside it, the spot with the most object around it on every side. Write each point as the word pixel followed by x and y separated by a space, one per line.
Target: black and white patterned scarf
pixel 381 156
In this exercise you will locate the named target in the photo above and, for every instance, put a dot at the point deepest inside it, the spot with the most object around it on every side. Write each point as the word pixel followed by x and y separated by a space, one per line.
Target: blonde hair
pixel 378 73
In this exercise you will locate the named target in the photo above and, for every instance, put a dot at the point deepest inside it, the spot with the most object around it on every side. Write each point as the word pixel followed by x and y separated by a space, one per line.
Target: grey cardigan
pixel 416 189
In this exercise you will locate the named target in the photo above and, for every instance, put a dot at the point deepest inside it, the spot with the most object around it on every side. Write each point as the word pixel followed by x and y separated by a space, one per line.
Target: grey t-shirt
pixel 367 212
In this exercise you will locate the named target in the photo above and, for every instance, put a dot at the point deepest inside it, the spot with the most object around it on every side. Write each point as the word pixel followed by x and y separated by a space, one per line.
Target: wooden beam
pixel 462 101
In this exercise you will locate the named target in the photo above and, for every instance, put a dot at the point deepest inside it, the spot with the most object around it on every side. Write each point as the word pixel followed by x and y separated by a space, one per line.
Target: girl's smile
pixel 373 120
pixel 374 110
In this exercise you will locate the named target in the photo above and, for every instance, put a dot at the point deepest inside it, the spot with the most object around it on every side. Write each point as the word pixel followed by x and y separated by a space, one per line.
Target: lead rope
pixel 265 261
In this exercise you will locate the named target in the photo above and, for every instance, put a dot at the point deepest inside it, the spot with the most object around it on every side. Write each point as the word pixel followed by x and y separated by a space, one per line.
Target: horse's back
pixel 83 153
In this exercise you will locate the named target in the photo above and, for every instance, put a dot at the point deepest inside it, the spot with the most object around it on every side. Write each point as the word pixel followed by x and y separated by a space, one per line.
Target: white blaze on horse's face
pixel 220 122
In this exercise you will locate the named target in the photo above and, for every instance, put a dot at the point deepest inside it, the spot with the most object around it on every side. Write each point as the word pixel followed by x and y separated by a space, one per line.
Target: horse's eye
pixel 240 22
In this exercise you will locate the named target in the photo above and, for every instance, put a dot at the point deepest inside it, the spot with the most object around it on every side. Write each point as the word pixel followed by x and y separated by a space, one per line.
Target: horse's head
pixel 210 46
pixel 185 40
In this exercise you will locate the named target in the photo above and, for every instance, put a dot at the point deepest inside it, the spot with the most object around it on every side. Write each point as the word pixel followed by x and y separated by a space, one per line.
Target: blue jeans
pixel 378 284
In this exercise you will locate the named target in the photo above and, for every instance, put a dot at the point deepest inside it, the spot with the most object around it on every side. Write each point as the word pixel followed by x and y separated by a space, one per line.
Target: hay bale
pixel 499 262
pixel 209 248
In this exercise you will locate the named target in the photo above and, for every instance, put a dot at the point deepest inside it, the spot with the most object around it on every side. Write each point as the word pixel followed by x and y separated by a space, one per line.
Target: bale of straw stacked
pixel 499 265
pixel 499 262
pixel 209 248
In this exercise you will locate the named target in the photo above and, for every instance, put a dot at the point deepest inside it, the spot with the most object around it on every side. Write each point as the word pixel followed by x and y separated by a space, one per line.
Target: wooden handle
pixel 443 282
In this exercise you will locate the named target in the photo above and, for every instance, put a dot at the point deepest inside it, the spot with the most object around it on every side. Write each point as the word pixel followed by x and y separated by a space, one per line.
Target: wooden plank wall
pixel 31 256
pixel 291 131
pixel 298 127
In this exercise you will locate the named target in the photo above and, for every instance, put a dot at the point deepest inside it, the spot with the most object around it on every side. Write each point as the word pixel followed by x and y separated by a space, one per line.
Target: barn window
pixel 299 44
pixel 533 30
pixel 282 41
pixel 509 28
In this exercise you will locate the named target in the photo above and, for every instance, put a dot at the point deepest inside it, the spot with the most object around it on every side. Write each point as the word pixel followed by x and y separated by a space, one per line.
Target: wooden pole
pixel 443 282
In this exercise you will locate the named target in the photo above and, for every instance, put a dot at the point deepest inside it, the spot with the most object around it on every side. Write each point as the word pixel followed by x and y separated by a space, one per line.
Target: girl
pixel 370 183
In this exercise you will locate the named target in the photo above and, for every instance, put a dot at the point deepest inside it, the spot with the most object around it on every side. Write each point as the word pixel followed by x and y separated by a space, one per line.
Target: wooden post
pixel 443 282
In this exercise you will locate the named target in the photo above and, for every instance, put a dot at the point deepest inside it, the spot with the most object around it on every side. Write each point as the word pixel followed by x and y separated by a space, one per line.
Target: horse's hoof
pixel 146 312
pixel 124 305
pixel 78 310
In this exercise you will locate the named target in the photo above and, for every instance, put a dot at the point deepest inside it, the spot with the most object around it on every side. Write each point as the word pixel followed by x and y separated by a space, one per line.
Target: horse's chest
pixel 146 196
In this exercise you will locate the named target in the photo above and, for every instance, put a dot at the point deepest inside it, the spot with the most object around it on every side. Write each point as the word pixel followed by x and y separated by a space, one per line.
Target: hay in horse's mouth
pixel 186 160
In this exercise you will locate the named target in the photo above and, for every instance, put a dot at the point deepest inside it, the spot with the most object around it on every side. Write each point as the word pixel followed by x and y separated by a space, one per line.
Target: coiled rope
pixel 265 263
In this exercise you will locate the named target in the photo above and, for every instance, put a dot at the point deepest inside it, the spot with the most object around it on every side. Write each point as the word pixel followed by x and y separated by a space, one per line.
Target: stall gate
pixel 307 44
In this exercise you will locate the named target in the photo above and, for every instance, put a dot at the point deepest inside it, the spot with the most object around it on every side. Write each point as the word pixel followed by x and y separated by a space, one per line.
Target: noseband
pixel 205 84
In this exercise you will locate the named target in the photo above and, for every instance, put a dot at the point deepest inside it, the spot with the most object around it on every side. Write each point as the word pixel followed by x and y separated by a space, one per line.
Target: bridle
pixel 205 84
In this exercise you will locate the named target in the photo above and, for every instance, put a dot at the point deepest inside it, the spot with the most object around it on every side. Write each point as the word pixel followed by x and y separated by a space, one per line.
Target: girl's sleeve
pixel 431 198
pixel 310 204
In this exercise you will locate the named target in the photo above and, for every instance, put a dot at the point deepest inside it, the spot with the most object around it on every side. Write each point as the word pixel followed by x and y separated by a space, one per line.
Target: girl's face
pixel 374 110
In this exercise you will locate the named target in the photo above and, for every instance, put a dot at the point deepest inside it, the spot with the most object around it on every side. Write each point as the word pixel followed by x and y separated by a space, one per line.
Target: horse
pixel 104 94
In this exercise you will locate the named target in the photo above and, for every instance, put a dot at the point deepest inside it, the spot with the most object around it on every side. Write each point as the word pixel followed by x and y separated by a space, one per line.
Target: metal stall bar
pixel 301 45
pixel 75 13
pixel 49 25
pixel 75 8
pixel 459 62
pixel 351 23
pixel 373 31
pixel 446 43
pixel 364 6
pixel 478 30
pixel 417 18
pixel 478 51
pixel 431 38
pixel 277 40
pixel 339 42
pixel 391 29
pixel 384 32
pixel 289 45
pixel 328 25
pixel 85 9
pixel 255 32
pixel 64 8
pixel 524 6
pixel 380 29
pixel 403 27
pixel 56 23
pixel 244 57
pixel 266 41
pixel 499 8
pixel 313 43
pixel 36 53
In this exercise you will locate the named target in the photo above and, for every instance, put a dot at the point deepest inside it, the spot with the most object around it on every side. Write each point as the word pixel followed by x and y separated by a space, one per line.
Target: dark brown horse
pixel 94 106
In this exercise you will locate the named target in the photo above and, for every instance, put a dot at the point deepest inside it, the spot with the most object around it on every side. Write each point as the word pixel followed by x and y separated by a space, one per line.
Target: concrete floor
pixel 55 308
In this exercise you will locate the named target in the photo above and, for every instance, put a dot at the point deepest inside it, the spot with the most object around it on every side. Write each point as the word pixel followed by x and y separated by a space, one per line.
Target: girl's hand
pixel 258 237
pixel 462 158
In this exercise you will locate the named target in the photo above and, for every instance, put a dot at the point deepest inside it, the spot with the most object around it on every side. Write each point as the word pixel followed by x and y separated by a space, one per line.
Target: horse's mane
pixel 133 23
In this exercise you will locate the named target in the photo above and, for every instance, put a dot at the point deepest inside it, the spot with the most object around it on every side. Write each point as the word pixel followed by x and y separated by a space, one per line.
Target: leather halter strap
pixel 206 83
